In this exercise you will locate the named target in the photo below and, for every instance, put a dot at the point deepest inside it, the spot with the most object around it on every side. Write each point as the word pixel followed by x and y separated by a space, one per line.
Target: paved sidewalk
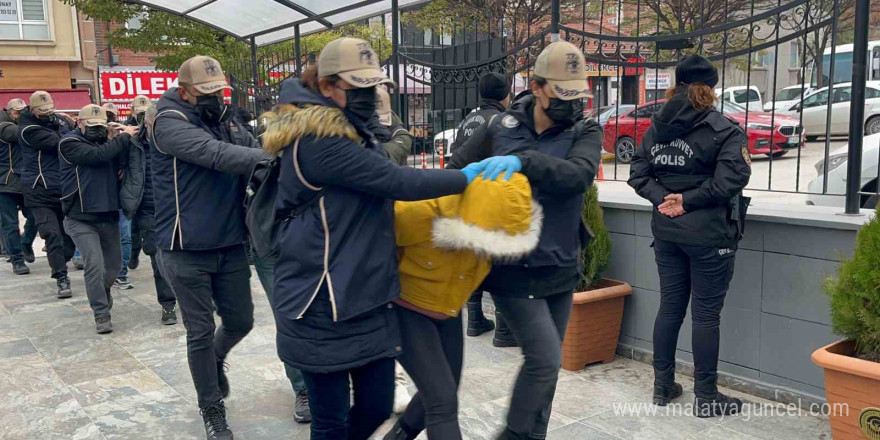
pixel 60 380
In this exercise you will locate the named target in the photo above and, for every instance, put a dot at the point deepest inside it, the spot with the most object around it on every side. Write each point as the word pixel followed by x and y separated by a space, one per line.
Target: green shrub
pixel 855 293
pixel 595 256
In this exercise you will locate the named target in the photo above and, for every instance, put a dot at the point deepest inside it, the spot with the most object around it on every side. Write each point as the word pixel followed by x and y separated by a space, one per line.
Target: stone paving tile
pixel 59 380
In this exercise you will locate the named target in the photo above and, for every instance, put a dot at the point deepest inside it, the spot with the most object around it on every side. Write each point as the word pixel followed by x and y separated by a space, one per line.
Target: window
pixel 763 58
pixel 647 111
pixel 842 94
pixel 816 100
pixel 794 55
pixel 24 20
pixel 871 93
pixel 740 96
pixel 875 65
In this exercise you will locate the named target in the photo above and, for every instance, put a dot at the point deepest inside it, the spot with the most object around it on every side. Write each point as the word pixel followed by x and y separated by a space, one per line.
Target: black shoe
pixel 397 432
pixel 222 380
pixel 216 427
pixel 64 287
pixel 134 261
pixel 477 322
pixel 20 268
pixel 719 405
pixel 665 394
pixel 28 253
pixel 301 412
pixel 510 435
pixel 169 317
pixel 103 324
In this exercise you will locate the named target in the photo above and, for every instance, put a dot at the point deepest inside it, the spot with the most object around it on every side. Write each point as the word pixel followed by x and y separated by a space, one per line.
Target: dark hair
pixel 541 82
pixel 700 95
pixel 310 78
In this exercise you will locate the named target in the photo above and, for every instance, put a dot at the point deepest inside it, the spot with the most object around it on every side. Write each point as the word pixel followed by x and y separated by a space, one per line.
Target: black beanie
pixel 696 69
pixel 494 86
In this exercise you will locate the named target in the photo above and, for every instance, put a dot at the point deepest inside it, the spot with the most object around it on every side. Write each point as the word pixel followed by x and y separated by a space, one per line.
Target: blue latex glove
pixel 501 164
pixel 472 171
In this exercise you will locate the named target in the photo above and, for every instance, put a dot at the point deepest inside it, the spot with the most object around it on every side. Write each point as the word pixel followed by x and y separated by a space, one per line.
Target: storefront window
pixel 24 20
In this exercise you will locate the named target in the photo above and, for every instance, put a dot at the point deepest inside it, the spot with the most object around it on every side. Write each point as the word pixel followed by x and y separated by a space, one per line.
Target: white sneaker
pixel 401 394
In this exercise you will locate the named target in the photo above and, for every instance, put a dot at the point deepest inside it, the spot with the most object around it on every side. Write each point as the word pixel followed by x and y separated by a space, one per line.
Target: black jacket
pixel 704 156
pixel 134 187
pixel 199 175
pixel 89 180
pixel 481 116
pixel 561 164
pixel 10 155
pixel 38 139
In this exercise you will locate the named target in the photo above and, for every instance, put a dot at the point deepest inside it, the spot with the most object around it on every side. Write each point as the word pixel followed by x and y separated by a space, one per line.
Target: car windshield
pixel 609 112
pixel 791 94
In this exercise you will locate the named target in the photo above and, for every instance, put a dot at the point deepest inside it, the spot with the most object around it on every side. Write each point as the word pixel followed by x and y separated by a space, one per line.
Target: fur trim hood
pixel 287 122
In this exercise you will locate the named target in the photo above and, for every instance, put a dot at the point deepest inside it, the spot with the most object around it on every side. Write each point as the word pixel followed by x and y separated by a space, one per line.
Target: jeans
pixel 200 280
pixel 702 274
pixel 265 268
pixel 59 245
pixel 124 242
pixel 333 417
pixel 147 235
pixel 9 206
pixel 539 327
pixel 433 354
pixel 100 252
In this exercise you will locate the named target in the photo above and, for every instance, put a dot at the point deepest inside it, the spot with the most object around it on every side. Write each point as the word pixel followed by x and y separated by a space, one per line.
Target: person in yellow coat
pixel 445 249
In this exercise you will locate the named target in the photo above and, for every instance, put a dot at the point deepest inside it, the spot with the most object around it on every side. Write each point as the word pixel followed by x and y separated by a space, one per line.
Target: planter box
pixel 852 382
pixel 594 326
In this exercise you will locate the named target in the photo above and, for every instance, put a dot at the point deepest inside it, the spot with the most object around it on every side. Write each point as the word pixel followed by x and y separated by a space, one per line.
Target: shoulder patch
pixel 746 155
pixel 510 122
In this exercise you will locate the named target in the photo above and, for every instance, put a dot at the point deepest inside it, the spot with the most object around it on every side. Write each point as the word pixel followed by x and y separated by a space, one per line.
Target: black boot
pixel 477 322
pixel 398 432
pixel 507 434
pixel 717 405
pixel 19 268
pixel 503 336
pixel 27 252
pixel 665 387
pixel 216 428
pixel 63 287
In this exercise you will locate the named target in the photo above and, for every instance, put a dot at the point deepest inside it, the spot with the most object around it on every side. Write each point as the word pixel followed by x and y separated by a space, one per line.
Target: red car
pixel 624 133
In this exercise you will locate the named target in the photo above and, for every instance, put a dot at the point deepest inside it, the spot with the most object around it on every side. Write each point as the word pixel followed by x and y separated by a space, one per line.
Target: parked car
pixel 444 140
pixel 836 168
pixel 815 110
pixel 787 97
pixel 742 96
pixel 624 133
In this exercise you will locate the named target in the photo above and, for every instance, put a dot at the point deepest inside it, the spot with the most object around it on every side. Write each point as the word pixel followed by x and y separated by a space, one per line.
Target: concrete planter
pixel 594 326
pixel 852 382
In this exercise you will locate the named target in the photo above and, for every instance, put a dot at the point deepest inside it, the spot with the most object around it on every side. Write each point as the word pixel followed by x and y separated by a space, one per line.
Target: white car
pixel 788 97
pixel 836 168
pixel 815 110
pixel 444 140
pixel 743 96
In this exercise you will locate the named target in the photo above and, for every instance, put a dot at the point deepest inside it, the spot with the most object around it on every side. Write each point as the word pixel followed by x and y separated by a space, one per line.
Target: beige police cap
pixel 16 104
pixel 354 61
pixel 140 104
pixel 110 108
pixel 93 115
pixel 383 106
pixel 204 73
pixel 562 64
pixel 42 103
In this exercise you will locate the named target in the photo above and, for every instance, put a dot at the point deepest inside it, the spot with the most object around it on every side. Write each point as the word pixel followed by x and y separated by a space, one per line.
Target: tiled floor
pixel 60 380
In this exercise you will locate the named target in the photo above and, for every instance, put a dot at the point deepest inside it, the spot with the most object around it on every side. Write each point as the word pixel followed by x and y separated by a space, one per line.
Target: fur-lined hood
pixel 303 113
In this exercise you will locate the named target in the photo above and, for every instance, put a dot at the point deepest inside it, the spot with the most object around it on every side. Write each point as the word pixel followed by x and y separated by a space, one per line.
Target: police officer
pixel 199 171
pixel 90 199
pixel 112 114
pixel 396 140
pixel 544 137
pixel 39 130
pixel 11 199
pixel 139 106
pixel 136 200
pixel 494 99
pixel 692 166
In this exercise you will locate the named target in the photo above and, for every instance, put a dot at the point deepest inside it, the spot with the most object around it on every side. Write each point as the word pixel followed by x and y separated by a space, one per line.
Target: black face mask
pixel 47 118
pixel 111 117
pixel 361 102
pixel 560 110
pixel 211 108
pixel 140 118
pixel 96 134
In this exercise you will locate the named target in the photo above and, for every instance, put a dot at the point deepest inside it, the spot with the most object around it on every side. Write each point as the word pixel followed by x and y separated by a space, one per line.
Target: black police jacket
pixel 10 155
pixel 89 180
pixel 488 109
pixel 38 139
pixel 704 156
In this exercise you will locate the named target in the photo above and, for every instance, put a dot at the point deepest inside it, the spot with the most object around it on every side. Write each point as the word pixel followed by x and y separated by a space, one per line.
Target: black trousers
pixel 146 234
pixel 433 354
pixel 200 280
pixel 702 274
pixel 9 207
pixel 539 326
pixel 333 417
pixel 59 245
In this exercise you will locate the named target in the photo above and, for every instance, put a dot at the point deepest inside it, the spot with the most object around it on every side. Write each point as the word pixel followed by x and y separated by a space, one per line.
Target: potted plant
pixel 852 366
pixel 597 309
